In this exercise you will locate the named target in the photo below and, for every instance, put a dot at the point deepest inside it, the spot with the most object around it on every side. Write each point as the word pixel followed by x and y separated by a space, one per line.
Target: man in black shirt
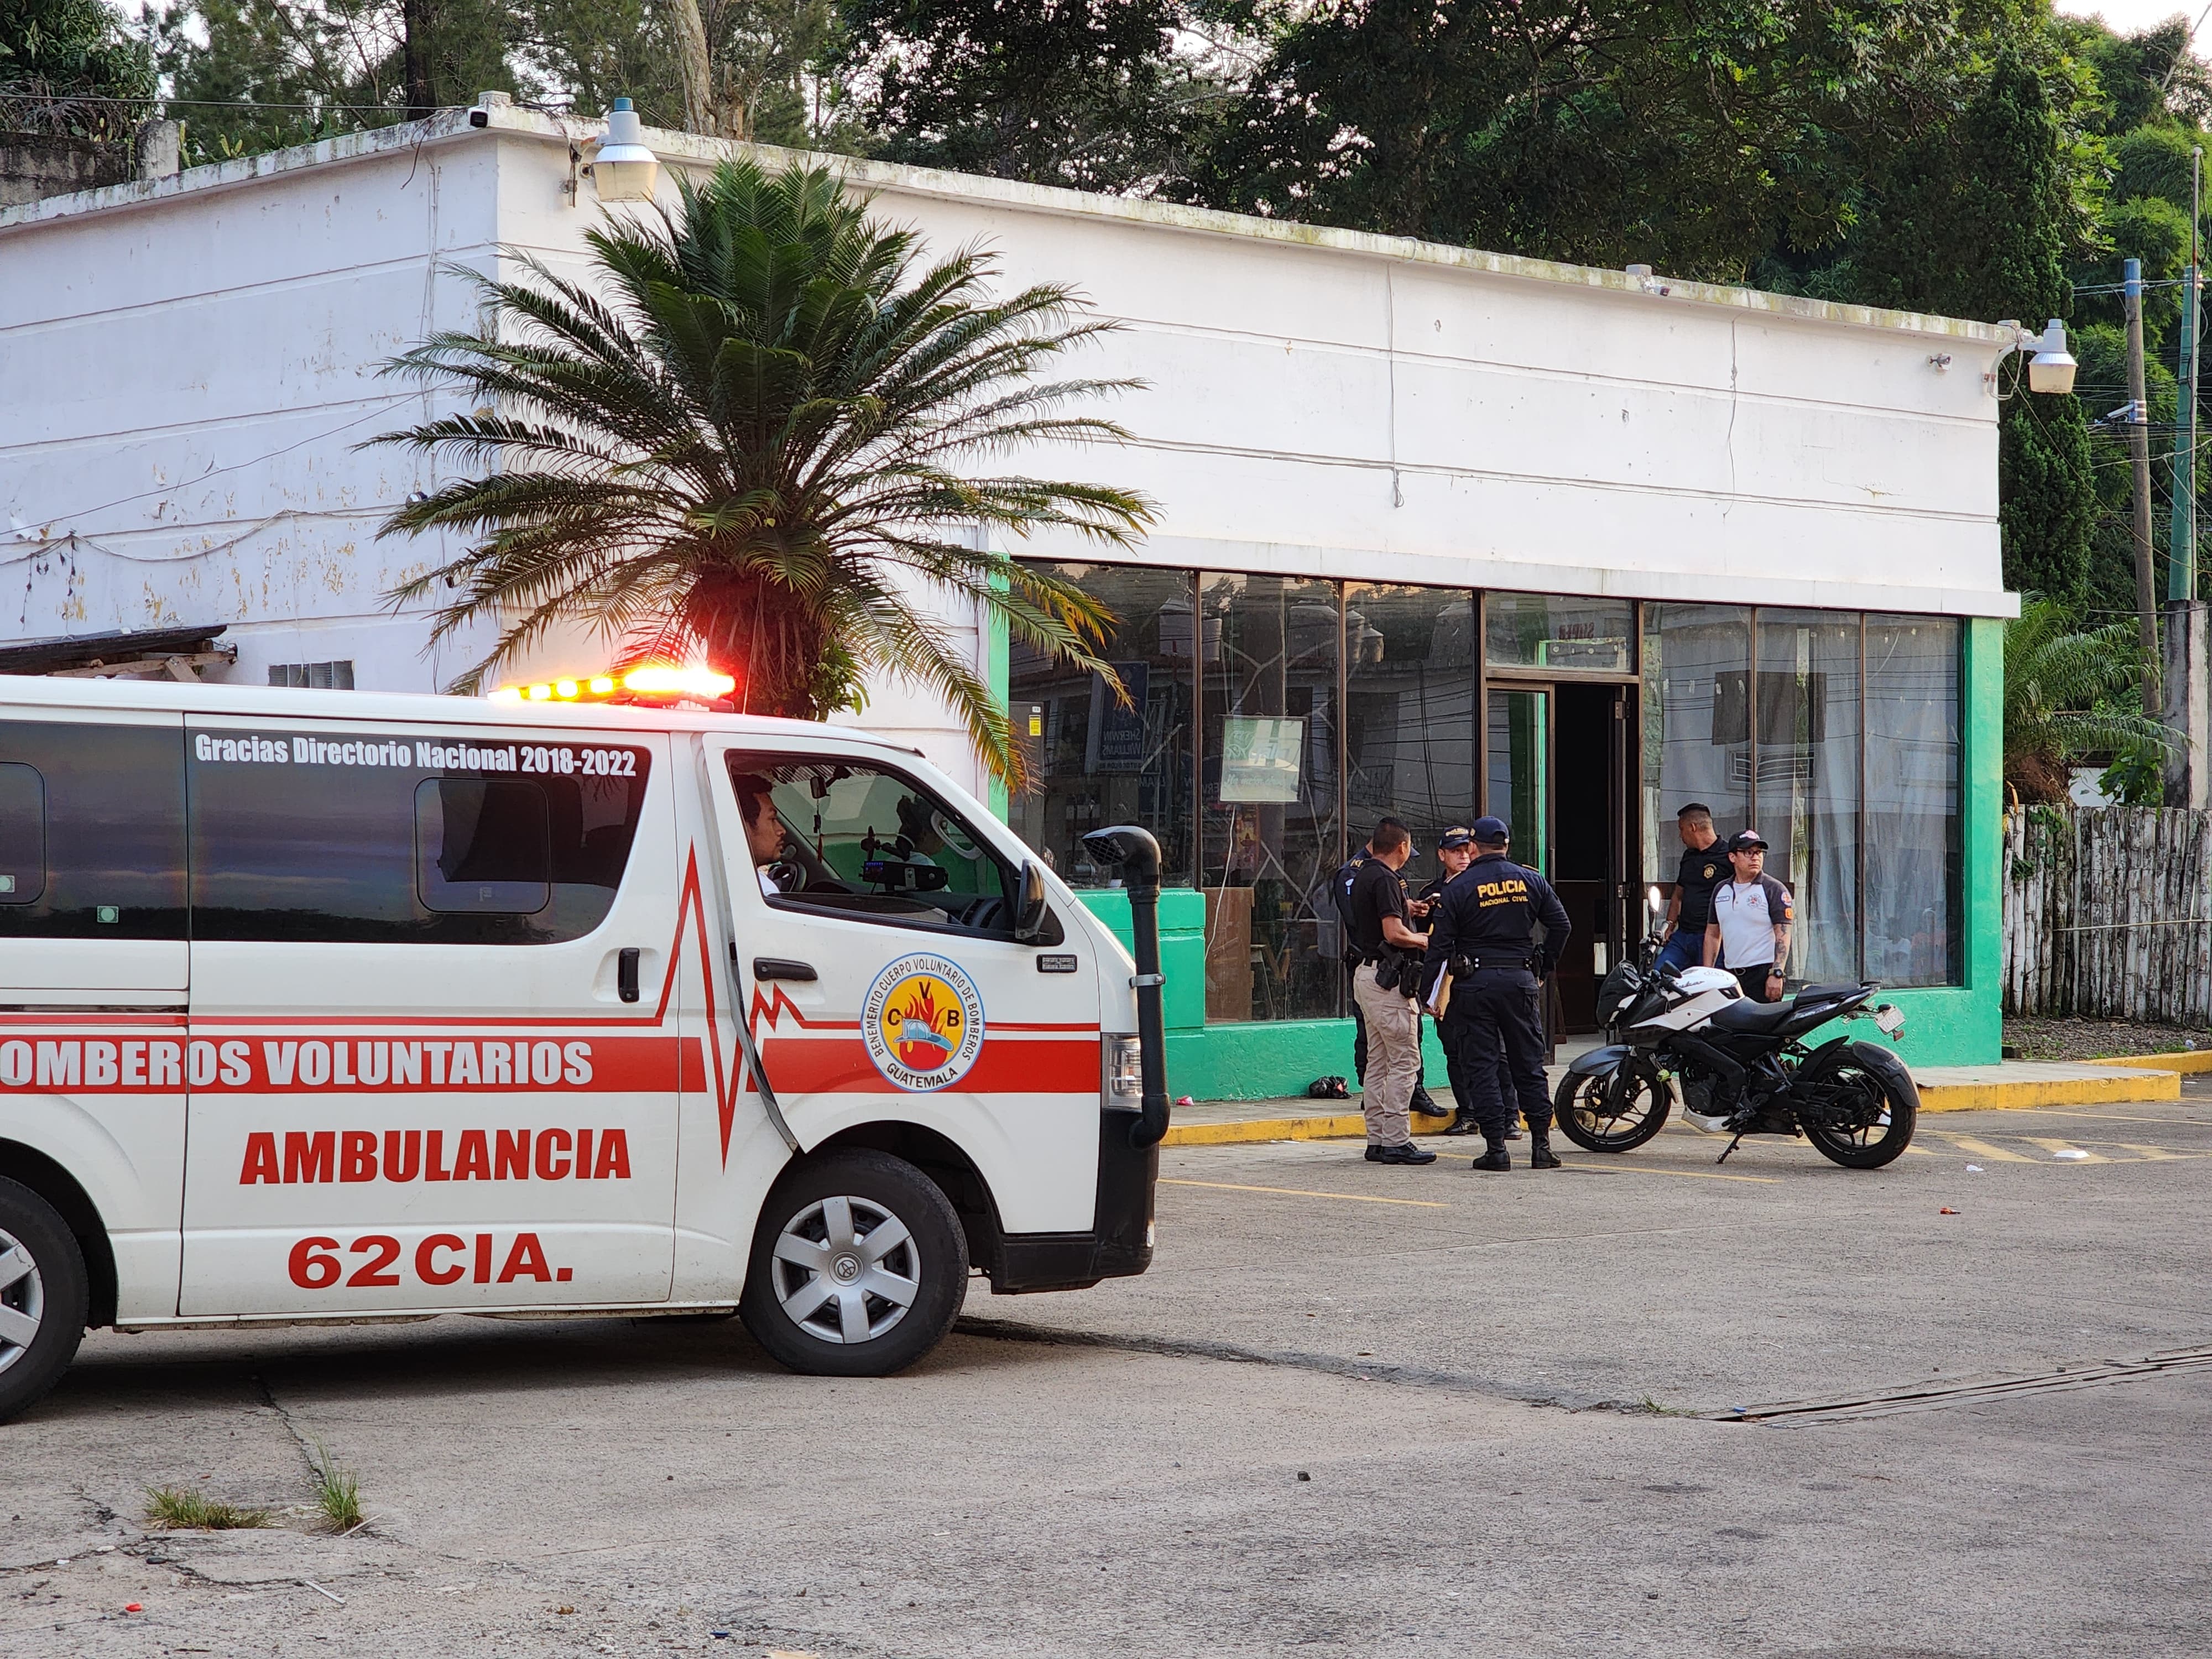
pixel 1385 984
pixel 1346 873
pixel 1486 923
pixel 1704 866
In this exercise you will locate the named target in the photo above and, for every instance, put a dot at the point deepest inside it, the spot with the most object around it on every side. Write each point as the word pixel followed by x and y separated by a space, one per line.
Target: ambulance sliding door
pixel 93 971
pixel 430 961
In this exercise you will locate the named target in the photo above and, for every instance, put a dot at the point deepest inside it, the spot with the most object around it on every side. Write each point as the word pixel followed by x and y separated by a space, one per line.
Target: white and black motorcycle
pixel 1740 1066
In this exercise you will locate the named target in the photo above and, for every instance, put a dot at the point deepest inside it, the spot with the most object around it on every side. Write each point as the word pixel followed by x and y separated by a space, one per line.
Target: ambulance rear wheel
pixel 859 1267
pixel 44 1295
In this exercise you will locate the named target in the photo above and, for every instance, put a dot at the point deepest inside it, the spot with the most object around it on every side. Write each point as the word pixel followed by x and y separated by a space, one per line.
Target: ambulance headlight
pixel 1124 1072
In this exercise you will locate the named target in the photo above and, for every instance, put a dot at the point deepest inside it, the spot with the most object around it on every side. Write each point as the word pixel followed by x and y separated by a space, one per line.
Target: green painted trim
pixel 1183 947
pixel 998 674
pixel 1974 1034
pixel 1266 1059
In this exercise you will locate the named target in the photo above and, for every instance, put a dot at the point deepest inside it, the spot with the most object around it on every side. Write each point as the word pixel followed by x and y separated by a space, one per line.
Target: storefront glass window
pixel 1697 737
pixel 1538 630
pixel 1269 835
pixel 1095 763
pixel 1808 780
pixel 1912 800
pixel 1409 713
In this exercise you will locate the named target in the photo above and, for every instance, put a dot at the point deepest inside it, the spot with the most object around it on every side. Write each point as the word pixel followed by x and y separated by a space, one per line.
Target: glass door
pixel 1519 785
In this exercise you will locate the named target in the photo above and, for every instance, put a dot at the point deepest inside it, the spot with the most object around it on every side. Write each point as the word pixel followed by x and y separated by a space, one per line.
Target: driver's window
pixel 851 838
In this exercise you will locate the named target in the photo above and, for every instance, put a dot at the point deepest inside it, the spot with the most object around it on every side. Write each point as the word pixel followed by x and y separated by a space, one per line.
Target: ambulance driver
pixel 763 829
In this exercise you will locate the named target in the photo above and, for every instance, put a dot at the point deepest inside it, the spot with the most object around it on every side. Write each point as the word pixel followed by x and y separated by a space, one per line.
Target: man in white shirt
pixel 1751 915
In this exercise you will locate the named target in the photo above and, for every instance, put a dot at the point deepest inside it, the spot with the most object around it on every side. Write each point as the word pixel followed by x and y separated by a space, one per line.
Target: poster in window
pixel 1117 733
pixel 1260 756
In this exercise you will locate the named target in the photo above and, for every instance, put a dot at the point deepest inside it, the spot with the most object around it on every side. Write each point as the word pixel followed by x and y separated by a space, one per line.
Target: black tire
pixel 1878 1142
pixel 1590 1114
pixel 876 1189
pixel 52 1290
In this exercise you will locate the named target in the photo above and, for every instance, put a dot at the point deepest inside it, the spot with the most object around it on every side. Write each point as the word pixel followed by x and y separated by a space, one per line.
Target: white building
pixel 1429 517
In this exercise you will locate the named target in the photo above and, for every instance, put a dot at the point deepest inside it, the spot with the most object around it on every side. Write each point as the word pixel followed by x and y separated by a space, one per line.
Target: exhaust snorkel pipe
pixel 1138 854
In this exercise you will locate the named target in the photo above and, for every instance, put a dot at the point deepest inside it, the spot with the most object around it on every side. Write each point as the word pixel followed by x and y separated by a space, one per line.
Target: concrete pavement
pixel 1116 1472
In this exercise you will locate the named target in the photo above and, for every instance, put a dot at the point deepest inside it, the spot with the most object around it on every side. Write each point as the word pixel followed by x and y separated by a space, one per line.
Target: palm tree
pixel 747 437
pixel 2068 697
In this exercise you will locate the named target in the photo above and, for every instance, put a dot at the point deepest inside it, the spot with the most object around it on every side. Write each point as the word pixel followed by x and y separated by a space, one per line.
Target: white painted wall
pixel 185 367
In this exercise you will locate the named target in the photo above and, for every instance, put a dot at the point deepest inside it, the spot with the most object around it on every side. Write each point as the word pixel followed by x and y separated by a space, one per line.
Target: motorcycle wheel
pixel 1880 1139
pixel 1614 1111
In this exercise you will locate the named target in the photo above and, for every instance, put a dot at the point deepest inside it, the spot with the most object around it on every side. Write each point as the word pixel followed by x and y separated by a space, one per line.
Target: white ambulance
pixel 320 1004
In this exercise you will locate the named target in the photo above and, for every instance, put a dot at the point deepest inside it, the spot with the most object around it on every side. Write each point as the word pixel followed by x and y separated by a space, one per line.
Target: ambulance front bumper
pixel 1119 1242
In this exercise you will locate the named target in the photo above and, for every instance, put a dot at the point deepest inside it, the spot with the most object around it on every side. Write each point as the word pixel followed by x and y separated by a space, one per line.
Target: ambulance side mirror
pixel 1029 918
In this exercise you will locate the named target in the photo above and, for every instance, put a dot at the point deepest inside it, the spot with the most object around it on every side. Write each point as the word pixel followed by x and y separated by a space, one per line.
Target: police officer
pixel 1455 851
pixel 1347 873
pixel 1486 922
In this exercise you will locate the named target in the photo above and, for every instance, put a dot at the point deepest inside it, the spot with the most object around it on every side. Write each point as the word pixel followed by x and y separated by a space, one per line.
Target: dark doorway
pixel 1558 768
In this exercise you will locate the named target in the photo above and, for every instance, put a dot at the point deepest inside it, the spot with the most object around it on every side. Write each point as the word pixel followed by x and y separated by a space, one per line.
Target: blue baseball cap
pixel 1491 832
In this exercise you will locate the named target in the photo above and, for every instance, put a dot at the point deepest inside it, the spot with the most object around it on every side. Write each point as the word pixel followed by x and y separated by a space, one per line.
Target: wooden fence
pixel 2108 913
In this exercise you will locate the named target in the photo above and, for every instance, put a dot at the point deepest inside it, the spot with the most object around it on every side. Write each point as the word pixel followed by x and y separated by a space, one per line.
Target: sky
pixel 2127 17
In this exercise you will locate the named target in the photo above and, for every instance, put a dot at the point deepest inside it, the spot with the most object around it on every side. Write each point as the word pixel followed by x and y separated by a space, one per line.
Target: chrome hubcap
pixel 23 1301
pixel 847 1270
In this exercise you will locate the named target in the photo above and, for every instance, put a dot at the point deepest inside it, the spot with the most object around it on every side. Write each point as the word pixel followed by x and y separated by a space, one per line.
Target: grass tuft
pixel 168 1506
pixel 338 1491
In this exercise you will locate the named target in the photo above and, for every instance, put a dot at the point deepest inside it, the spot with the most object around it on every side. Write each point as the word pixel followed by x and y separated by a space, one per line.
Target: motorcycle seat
pixel 1746 1016
pixel 1814 992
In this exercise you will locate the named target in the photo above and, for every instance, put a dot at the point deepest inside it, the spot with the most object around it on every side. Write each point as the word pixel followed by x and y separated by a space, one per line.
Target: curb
pixel 2163 1082
pixel 1241 1132
pixel 2190 1060
pixel 2137 1084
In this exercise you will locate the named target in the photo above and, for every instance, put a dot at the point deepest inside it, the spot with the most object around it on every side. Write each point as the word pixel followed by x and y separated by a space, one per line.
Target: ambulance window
pixel 22 833
pixel 361 837
pixel 482 847
pixel 92 830
pixel 860 839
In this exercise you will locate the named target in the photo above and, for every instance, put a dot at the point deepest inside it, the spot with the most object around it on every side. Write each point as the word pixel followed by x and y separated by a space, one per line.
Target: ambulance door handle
pixel 626 972
pixel 782 967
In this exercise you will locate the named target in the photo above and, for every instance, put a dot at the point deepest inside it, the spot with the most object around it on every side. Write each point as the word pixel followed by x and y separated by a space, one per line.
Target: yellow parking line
pixel 1300 1192
pixel 1980 1148
pixel 1686 1174
pixel 2066 1147
pixel 2109 1117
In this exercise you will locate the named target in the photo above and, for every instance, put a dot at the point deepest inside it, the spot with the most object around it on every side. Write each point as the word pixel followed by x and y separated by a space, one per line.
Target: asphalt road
pixel 1507 1396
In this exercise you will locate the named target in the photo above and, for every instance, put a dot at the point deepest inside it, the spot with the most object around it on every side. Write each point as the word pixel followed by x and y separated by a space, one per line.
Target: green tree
pixel 1090 94
pixel 1698 137
pixel 256 74
pixel 747 434
pixel 1976 221
pixel 2069 695
pixel 62 60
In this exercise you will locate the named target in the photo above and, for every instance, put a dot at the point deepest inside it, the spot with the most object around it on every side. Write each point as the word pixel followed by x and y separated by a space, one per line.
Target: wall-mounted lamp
pixel 2051 368
pixel 623 169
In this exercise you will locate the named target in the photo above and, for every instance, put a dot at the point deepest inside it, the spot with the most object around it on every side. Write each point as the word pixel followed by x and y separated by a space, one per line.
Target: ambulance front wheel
pixel 859 1267
pixel 44 1293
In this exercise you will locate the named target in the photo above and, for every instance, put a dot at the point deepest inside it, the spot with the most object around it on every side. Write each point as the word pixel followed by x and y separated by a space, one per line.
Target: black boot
pixel 1497 1158
pixel 1422 1103
pixel 1541 1155
pixel 1464 1124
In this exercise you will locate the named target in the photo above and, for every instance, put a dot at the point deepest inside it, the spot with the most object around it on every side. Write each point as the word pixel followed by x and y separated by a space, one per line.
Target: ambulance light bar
pixel 652 679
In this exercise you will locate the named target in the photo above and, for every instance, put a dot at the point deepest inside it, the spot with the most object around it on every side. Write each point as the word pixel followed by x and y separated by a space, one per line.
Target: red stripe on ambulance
pixel 81 1065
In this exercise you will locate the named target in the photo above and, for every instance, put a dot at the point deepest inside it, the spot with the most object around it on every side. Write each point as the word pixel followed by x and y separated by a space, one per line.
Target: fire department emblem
pixel 923 1022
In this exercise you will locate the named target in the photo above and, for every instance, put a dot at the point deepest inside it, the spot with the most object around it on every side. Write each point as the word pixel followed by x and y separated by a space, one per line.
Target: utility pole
pixel 2139 450
pixel 2187 714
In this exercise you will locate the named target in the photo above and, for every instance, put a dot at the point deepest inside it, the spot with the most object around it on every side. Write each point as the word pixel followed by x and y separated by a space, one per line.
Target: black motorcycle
pixel 1740 1066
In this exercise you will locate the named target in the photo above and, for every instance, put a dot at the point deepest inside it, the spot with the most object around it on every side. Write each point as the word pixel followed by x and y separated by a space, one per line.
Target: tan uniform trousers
pixel 1393 1058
